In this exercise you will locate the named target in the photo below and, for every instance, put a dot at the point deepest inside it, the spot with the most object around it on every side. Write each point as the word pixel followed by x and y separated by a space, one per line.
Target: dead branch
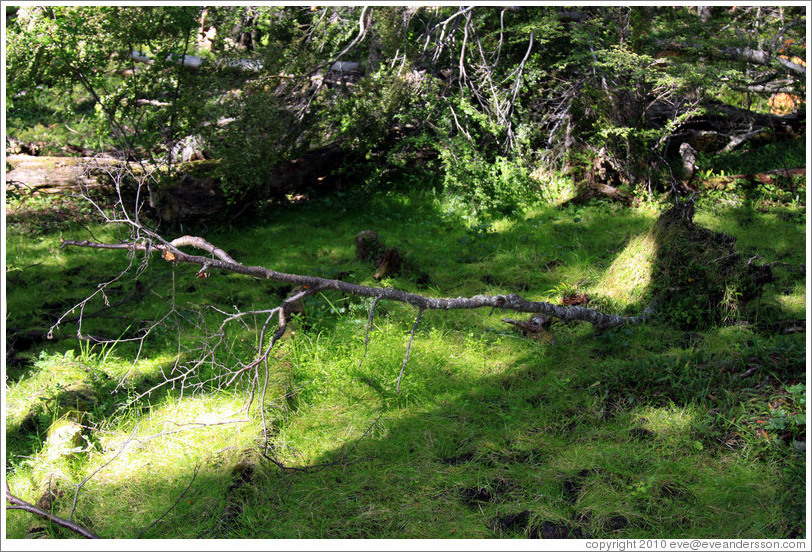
pixel 177 500
pixel 309 285
pixel 343 460
pixel 16 503
pixel 409 347
pixel 170 252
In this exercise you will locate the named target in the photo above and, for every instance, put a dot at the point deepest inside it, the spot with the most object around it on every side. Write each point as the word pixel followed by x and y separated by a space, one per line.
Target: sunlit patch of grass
pixel 627 280
pixel 555 189
pixel 784 243
pixel 633 491
pixel 125 370
pixel 728 339
pixel 794 303
pixel 144 466
pixel 673 423
pixel 42 384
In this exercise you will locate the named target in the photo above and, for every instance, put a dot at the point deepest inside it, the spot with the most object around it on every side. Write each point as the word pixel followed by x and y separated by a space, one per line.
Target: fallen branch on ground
pixel 223 261
pixel 20 504
pixel 309 285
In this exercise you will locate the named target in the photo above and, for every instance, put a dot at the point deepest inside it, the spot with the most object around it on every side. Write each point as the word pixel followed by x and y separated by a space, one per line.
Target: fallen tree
pixel 187 190
pixel 170 251
pixel 221 260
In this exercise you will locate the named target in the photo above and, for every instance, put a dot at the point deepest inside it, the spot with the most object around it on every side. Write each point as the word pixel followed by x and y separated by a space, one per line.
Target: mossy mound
pixel 698 277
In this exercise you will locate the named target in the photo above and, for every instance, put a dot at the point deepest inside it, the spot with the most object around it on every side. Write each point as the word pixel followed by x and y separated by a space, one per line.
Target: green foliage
pixel 495 187
pixel 631 432
pixel 251 146
pixel 465 84
pixel 66 45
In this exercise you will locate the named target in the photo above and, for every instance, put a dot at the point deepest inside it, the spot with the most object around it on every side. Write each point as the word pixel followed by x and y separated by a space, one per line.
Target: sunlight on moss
pixel 672 422
pixel 627 280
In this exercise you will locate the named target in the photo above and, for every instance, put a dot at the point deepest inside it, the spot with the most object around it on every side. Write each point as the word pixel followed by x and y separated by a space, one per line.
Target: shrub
pixel 497 187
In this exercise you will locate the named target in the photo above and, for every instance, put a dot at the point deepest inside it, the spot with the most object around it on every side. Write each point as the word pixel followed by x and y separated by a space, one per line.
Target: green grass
pixel 642 432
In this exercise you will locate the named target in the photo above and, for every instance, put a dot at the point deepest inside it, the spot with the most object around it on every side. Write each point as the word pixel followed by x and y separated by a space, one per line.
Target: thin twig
pixel 189 486
pixel 318 467
pixel 97 470
pixel 409 346
pixel 369 329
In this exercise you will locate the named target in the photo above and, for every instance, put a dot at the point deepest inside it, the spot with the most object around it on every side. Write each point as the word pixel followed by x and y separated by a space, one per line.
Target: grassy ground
pixel 648 431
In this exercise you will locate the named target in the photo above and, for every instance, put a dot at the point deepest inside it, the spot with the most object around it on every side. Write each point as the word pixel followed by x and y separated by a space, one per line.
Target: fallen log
pixel 48 175
pixel 766 177
pixel 193 191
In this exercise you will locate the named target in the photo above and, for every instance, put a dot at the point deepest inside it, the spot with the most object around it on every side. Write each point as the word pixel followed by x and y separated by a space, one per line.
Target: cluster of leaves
pixel 60 47
pixel 490 187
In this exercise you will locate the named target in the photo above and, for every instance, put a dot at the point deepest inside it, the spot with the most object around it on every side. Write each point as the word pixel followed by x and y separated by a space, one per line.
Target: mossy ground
pixel 646 431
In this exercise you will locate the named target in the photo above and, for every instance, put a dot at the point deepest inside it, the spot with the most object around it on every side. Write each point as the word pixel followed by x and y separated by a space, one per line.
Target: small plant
pixel 564 289
pixel 490 187
pixel 730 304
pixel 787 418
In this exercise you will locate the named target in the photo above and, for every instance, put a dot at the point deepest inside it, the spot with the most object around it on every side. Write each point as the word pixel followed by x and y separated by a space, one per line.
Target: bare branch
pixel 369 329
pixel 189 486
pixel 506 302
pixel 97 470
pixel 409 346
pixel 20 504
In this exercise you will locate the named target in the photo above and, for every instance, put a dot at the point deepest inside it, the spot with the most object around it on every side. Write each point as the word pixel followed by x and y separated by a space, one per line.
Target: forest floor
pixel 650 431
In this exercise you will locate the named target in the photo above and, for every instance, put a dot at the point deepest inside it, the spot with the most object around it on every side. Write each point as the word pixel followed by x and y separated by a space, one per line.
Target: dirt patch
pixel 616 523
pixel 510 522
pixel 572 485
pixel 520 521
pixel 641 433
pixel 459 459
pixel 495 490
pixel 472 496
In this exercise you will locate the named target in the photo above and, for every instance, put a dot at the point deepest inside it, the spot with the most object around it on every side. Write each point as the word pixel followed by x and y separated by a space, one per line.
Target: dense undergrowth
pixel 645 431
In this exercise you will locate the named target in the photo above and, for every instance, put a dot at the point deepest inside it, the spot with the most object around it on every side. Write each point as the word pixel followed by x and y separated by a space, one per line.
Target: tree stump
pixel 367 245
pixel 388 264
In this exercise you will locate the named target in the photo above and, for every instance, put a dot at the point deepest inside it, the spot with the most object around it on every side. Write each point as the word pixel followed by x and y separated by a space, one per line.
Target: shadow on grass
pixel 598 445
pixel 596 436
